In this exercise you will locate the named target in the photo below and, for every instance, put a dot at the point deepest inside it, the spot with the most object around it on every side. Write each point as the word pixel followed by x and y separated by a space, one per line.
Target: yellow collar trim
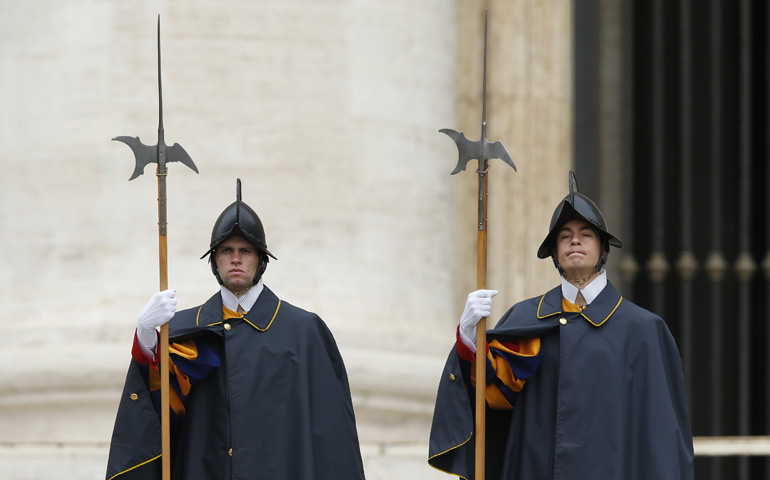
pixel 230 314
pixel 608 316
pixel 277 307
pixel 540 317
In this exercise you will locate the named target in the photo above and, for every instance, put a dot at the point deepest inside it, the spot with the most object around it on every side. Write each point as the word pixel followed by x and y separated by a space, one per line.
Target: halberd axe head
pixel 160 153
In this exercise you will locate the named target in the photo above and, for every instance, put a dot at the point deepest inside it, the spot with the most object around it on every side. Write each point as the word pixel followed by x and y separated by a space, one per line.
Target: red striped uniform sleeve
pixel 189 362
pixel 510 364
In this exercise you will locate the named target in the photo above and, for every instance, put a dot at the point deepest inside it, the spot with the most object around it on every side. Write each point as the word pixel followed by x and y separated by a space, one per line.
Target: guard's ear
pixel 556 262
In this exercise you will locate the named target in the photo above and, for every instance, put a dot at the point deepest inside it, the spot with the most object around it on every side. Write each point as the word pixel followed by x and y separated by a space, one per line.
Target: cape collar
pixel 260 316
pixel 597 312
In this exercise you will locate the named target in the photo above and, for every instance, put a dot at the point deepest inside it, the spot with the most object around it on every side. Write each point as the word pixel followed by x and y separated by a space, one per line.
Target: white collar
pixel 590 291
pixel 247 300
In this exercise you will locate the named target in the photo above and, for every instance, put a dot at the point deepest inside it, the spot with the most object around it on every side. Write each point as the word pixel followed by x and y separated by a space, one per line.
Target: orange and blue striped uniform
pixel 190 361
pixel 510 363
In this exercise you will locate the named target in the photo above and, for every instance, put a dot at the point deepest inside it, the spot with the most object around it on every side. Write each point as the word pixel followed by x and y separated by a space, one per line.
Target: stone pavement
pixel 85 462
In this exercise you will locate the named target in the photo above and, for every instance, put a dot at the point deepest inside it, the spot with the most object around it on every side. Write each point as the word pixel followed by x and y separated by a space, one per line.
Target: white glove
pixel 158 311
pixel 478 305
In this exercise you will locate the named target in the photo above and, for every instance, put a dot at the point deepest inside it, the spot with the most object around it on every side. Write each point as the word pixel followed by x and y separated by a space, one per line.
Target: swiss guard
pixel 581 383
pixel 258 386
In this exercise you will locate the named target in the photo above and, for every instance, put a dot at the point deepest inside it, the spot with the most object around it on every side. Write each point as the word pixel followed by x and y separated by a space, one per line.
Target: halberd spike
pixel 480 150
pixel 159 153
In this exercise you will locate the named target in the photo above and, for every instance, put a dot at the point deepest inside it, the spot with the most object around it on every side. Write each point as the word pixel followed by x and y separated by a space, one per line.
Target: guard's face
pixel 578 247
pixel 237 262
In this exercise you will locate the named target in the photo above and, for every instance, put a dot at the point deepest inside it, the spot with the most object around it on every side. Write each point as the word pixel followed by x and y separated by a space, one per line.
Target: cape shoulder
pixel 206 317
pixel 538 315
pixel 532 317
pixel 266 311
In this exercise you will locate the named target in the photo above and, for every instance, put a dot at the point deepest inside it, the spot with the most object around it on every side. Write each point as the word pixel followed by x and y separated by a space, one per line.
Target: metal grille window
pixel 695 200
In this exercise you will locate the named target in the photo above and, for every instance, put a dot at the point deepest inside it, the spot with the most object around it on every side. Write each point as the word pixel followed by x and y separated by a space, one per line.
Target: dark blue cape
pixel 607 401
pixel 278 406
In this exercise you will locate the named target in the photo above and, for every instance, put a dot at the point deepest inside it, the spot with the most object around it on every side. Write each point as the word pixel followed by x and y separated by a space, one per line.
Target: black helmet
pixel 577 206
pixel 238 219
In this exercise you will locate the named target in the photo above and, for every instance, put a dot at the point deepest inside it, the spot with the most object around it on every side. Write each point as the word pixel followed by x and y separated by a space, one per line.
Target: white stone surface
pixel 328 112
pixel 88 462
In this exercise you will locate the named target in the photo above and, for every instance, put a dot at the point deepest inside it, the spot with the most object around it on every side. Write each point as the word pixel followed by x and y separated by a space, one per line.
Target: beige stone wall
pixel 529 71
pixel 329 112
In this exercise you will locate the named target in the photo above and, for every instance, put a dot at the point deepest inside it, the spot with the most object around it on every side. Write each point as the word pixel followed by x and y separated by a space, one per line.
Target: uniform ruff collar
pixel 590 291
pixel 246 301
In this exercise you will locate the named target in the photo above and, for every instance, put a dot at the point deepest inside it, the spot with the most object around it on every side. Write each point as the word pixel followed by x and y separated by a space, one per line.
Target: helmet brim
pixel 565 213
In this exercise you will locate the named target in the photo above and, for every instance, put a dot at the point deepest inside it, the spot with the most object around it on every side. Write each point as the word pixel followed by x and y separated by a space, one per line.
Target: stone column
pixel 329 113
pixel 529 103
